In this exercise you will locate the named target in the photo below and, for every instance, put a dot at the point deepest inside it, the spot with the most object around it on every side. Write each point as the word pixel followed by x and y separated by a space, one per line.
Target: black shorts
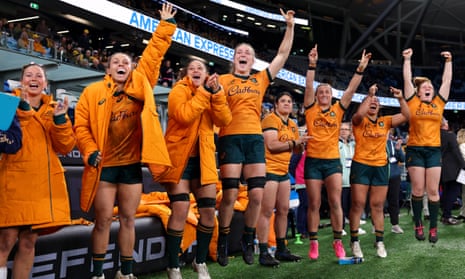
pixel 369 175
pixel 128 174
pixel 320 169
pixel 192 170
pixel 277 177
pixel 241 149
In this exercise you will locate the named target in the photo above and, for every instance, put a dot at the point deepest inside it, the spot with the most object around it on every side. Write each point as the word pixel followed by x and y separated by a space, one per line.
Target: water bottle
pixel 255 246
pixel 350 260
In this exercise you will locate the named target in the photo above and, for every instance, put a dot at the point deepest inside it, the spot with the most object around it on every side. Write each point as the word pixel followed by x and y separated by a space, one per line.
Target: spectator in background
pixel 166 74
pixel 23 41
pixel 396 155
pixel 127 133
pixel 423 152
pixel 37 45
pixel 196 104
pixel 346 149
pixel 3 24
pixel 95 54
pixel 461 143
pixel 33 195
pixel 28 29
pixel 43 29
pixel 96 65
pixel 18 30
pixel 84 40
pixel 10 29
pixel 453 162
pixel 88 55
pixel 302 226
pixel 10 142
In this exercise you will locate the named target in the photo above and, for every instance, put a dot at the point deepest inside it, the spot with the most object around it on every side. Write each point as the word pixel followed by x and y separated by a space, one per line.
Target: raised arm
pixel 309 96
pixel 356 79
pixel 404 115
pixel 364 106
pixel 286 44
pixel 409 89
pixel 444 90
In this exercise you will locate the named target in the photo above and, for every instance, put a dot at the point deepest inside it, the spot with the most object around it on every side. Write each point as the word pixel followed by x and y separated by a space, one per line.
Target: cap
pixel 35 36
pixel 28 26
pixel 75 52
pixel 86 31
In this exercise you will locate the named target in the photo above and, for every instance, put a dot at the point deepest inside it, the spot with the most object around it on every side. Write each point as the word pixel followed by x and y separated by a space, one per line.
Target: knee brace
pixel 256 182
pixel 206 203
pixel 179 197
pixel 230 183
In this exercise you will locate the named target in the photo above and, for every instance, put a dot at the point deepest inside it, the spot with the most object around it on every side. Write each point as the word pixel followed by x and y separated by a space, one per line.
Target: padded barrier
pixel 66 253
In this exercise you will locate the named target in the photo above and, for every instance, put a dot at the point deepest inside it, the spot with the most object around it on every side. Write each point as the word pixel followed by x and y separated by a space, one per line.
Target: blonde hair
pixel 461 136
pixel 418 81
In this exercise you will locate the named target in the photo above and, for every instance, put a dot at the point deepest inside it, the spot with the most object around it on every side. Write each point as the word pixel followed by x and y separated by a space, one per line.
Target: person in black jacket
pixel 10 140
pixel 396 156
pixel 452 163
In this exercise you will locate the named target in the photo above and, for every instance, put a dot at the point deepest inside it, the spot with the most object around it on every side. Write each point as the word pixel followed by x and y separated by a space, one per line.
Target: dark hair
pixel 281 94
pixel 183 70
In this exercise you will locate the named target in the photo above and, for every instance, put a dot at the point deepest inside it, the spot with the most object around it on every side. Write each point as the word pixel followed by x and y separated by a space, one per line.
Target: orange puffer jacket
pixel 32 182
pixel 192 114
pixel 93 112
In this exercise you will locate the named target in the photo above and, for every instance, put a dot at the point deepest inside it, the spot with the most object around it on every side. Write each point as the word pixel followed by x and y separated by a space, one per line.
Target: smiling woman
pixel 47 131
pixel 423 154
pixel 114 147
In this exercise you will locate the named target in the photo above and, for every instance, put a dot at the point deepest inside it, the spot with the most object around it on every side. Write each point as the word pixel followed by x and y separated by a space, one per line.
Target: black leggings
pixel 393 199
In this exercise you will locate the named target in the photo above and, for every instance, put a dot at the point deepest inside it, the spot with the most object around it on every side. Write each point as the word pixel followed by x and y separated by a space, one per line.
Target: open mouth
pixel 35 86
pixel 196 77
pixel 121 72
pixel 243 62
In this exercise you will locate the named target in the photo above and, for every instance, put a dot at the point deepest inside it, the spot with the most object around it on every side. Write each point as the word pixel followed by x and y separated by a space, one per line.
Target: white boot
pixel 3 272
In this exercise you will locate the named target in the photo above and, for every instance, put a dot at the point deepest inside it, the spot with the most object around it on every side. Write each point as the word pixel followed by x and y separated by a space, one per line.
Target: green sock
pixel 379 236
pixel 353 236
pixel 417 207
pixel 337 235
pixel 173 245
pixel 263 248
pixel 97 262
pixel 204 236
pixel 126 264
pixel 249 235
pixel 280 244
pixel 433 213
pixel 313 235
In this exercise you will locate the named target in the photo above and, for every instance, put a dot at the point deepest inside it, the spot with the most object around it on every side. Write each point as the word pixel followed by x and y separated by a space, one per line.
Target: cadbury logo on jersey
pixel 242 90
pixel 321 122
pixel 371 134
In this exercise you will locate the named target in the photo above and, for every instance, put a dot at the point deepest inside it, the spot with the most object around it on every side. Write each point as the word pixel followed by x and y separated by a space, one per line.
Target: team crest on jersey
pixel 332 114
pixel 433 105
pixel 381 124
pixel 254 80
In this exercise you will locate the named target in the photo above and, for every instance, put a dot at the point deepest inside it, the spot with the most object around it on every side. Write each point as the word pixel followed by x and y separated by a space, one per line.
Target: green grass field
pixel 407 257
